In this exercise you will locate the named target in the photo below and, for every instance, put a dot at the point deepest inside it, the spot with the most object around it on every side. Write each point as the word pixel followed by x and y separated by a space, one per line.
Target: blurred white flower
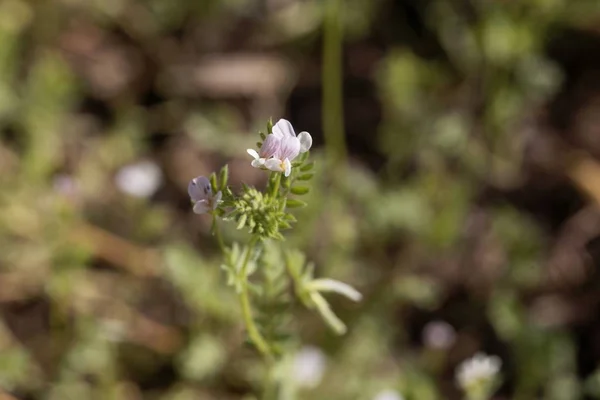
pixel 388 394
pixel 478 371
pixel 140 180
pixel 280 148
pixel 331 285
pixel 201 195
pixel 439 335
pixel 309 366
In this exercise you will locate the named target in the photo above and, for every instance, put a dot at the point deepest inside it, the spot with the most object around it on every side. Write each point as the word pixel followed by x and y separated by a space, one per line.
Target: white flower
pixel 309 366
pixel 280 148
pixel 438 335
pixel 388 395
pixel 481 369
pixel 200 192
pixel 268 149
pixel 139 180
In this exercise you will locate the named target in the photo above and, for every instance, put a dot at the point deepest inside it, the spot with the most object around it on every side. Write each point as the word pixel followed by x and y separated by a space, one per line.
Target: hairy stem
pixel 244 296
pixel 217 233
pixel 276 183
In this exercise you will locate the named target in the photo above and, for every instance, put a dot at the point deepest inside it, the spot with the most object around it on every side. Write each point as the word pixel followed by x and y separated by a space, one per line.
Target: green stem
pixel 244 296
pixel 333 120
pixel 217 233
pixel 275 187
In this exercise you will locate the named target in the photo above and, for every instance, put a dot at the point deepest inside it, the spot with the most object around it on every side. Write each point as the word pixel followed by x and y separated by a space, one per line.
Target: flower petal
pixel 274 164
pixel 305 141
pixel 201 207
pixel 270 146
pixel 287 167
pixel 283 128
pixel 331 285
pixel 253 153
pixel 199 188
pixel 289 148
pixel 257 163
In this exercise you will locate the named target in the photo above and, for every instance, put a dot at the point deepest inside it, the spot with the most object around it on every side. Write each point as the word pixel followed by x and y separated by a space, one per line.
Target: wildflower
pixel 280 148
pixel 309 366
pixel 438 335
pixel 388 394
pixel 477 376
pixel 268 149
pixel 200 192
pixel 139 180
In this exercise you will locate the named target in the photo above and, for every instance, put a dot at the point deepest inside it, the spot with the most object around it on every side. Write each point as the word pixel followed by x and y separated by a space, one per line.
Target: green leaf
pixel 262 135
pixel 259 145
pixel 290 217
pixel 223 177
pixel 213 182
pixel 303 157
pixel 300 190
pixel 242 221
pixel 293 203
pixel 307 167
pixel 305 177
pixel 284 225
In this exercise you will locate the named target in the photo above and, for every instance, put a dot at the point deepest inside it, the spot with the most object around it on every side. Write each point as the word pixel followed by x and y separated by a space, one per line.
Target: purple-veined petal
pixel 305 141
pixel 274 164
pixel 270 146
pixel 289 148
pixel 283 128
pixel 201 207
pixel 199 188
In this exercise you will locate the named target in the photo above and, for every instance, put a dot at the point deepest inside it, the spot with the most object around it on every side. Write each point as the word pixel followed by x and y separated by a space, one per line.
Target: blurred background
pixel 467 133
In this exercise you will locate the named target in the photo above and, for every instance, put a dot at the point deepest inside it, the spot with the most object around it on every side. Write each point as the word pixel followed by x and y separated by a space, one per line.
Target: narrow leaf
pixel 290 217
pixel 303 157
pixel 307 167
pixel 293 203
pixel 284 225
pixel 223 177
pixel 300 190
pixel 242 221
pixel 305 177
pixel 213 182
